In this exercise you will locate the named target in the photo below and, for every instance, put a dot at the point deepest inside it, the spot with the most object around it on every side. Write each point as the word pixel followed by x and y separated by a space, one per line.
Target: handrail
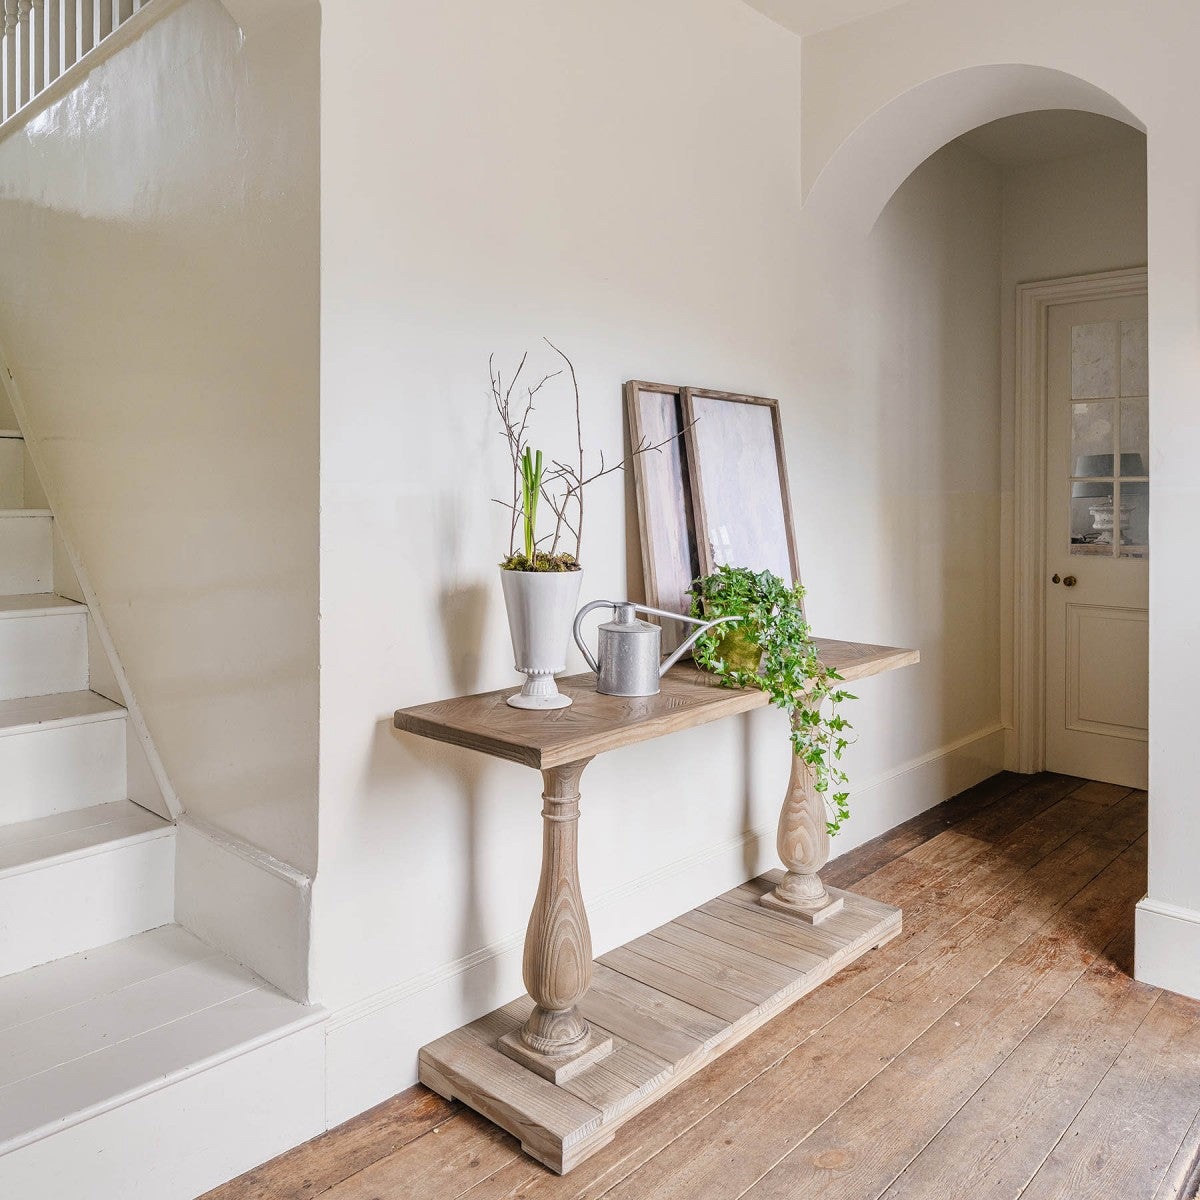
pixel 42 39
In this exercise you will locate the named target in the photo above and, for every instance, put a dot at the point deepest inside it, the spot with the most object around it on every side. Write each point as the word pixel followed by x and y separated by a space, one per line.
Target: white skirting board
pixel 219 879
pixel 1166 942
pixel 372 1045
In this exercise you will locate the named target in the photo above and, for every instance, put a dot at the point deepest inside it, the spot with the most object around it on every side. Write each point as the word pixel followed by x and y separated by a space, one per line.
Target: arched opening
pixel 921 229
pixel 849 185
pixel 918 234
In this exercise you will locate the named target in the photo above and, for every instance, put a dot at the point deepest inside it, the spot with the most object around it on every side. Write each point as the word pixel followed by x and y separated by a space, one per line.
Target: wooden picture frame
pixel 672 500
pixel 664 500
pixel 739 483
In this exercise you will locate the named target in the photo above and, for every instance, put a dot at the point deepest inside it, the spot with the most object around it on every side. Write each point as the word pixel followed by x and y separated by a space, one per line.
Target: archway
pixel 863 173
pixel 842 203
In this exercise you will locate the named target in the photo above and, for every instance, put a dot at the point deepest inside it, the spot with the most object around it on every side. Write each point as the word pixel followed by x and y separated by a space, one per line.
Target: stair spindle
pixel 8 68
pixel 24 54
pixel 37 46
pixel 68 35
pixel 103 10
pixel 85 25
pixel 51 46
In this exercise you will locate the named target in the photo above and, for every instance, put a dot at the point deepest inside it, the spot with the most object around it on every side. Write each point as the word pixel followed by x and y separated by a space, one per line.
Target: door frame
pixel 1034 301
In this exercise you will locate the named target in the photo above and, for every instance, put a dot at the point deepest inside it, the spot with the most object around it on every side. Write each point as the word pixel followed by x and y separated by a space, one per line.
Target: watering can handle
pixel 583 612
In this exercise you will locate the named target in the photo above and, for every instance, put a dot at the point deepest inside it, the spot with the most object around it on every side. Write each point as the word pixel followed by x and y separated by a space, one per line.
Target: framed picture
pixel 664 500
pixel 742 511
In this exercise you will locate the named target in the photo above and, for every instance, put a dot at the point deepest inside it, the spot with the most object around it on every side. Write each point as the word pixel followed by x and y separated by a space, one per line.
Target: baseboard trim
pixel 1167 946
pixel 220 878
pixel 372 1042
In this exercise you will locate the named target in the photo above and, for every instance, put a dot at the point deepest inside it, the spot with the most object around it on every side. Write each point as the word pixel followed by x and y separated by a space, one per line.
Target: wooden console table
pixel 593 1044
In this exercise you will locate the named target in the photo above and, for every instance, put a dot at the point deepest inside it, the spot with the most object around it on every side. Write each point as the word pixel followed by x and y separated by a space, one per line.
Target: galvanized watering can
pixel 629 650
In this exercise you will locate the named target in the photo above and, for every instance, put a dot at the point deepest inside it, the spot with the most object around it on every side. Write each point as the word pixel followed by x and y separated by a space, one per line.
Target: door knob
pixel 1070 581
pixel 1056 579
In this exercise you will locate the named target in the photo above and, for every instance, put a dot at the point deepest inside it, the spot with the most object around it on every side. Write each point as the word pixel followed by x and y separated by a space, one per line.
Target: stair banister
pixel 40 40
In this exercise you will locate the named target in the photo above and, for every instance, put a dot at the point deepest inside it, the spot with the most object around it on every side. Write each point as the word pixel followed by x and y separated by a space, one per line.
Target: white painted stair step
pixel 43 646
pixel 81 879
pixel 153 1067
pixel 60 753
pixel 26 556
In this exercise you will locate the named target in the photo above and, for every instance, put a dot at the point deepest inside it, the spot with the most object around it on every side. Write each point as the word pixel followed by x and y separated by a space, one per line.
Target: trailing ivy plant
pixel 772 648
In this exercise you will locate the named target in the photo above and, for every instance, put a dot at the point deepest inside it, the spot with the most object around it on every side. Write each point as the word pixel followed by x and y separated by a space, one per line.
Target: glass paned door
pixel 1097 539
pixel 1109 486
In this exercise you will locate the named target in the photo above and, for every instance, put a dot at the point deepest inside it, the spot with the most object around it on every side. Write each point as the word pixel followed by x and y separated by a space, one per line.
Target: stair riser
pixel 12 473
pixel 80 903
pixel 40 655
pixel 26 556
pixel 60 769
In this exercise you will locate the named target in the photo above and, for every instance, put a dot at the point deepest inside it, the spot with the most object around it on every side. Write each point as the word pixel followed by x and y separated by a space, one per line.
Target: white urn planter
pixel 541 609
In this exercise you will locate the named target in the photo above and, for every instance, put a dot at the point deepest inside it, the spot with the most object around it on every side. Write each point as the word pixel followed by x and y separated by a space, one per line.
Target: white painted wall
pixel 159 284
pixel 1074 216
pixel 621 177
pixel 874 92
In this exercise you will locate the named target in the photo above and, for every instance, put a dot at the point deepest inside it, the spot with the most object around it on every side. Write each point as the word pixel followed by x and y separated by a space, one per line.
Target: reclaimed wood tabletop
pixel 595 723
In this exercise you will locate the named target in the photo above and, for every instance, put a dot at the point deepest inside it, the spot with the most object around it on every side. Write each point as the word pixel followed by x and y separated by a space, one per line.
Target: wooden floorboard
pixel 997 1047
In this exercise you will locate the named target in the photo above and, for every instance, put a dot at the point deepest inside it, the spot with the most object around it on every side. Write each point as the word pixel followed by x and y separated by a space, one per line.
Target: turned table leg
pixel 803 844
pixel 556 1041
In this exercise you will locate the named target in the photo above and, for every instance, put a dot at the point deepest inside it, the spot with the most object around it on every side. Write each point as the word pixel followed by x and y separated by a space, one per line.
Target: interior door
pixel 1097 540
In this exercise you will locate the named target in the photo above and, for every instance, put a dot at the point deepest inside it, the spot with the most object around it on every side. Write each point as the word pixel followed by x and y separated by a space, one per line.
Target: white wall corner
pixel 252 15
pixel 246 903
pixel 1167 947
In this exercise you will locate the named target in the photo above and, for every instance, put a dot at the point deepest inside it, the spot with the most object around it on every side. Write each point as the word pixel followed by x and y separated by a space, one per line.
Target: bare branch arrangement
pixel 563 486
pixel 514 426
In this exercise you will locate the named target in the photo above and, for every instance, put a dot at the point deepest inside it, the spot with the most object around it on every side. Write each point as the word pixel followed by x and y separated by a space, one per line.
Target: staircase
pixel 135 1061
pixel 81 865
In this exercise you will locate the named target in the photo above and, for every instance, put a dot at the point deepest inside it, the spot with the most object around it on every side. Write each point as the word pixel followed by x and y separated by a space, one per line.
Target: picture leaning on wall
pixel 741 507
pixel 725 477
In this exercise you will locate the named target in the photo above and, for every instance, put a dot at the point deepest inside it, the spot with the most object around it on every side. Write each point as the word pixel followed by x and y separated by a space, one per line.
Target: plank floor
pixel 997 1048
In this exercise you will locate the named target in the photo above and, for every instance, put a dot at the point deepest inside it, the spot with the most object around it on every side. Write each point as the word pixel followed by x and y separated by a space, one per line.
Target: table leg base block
pixel 557 1068
pixel 671 1001
pixel 814 916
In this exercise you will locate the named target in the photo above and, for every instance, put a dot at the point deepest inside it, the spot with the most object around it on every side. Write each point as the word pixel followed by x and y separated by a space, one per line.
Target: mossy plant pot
pixel 541 608
pixel 740 650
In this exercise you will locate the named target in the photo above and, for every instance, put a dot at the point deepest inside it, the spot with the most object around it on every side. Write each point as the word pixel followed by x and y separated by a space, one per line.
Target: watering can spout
pixel 685 646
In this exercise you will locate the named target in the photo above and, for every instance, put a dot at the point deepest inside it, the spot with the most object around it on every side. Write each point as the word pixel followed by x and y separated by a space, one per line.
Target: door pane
pixel 1135 520
pixel 1092 439
pixel 1092 517
pixel 1135 362
pixel 1094 360
pixel 1135 437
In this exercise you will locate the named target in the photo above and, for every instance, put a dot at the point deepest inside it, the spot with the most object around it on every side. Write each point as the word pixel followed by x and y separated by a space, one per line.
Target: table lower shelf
pixel 672 1001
